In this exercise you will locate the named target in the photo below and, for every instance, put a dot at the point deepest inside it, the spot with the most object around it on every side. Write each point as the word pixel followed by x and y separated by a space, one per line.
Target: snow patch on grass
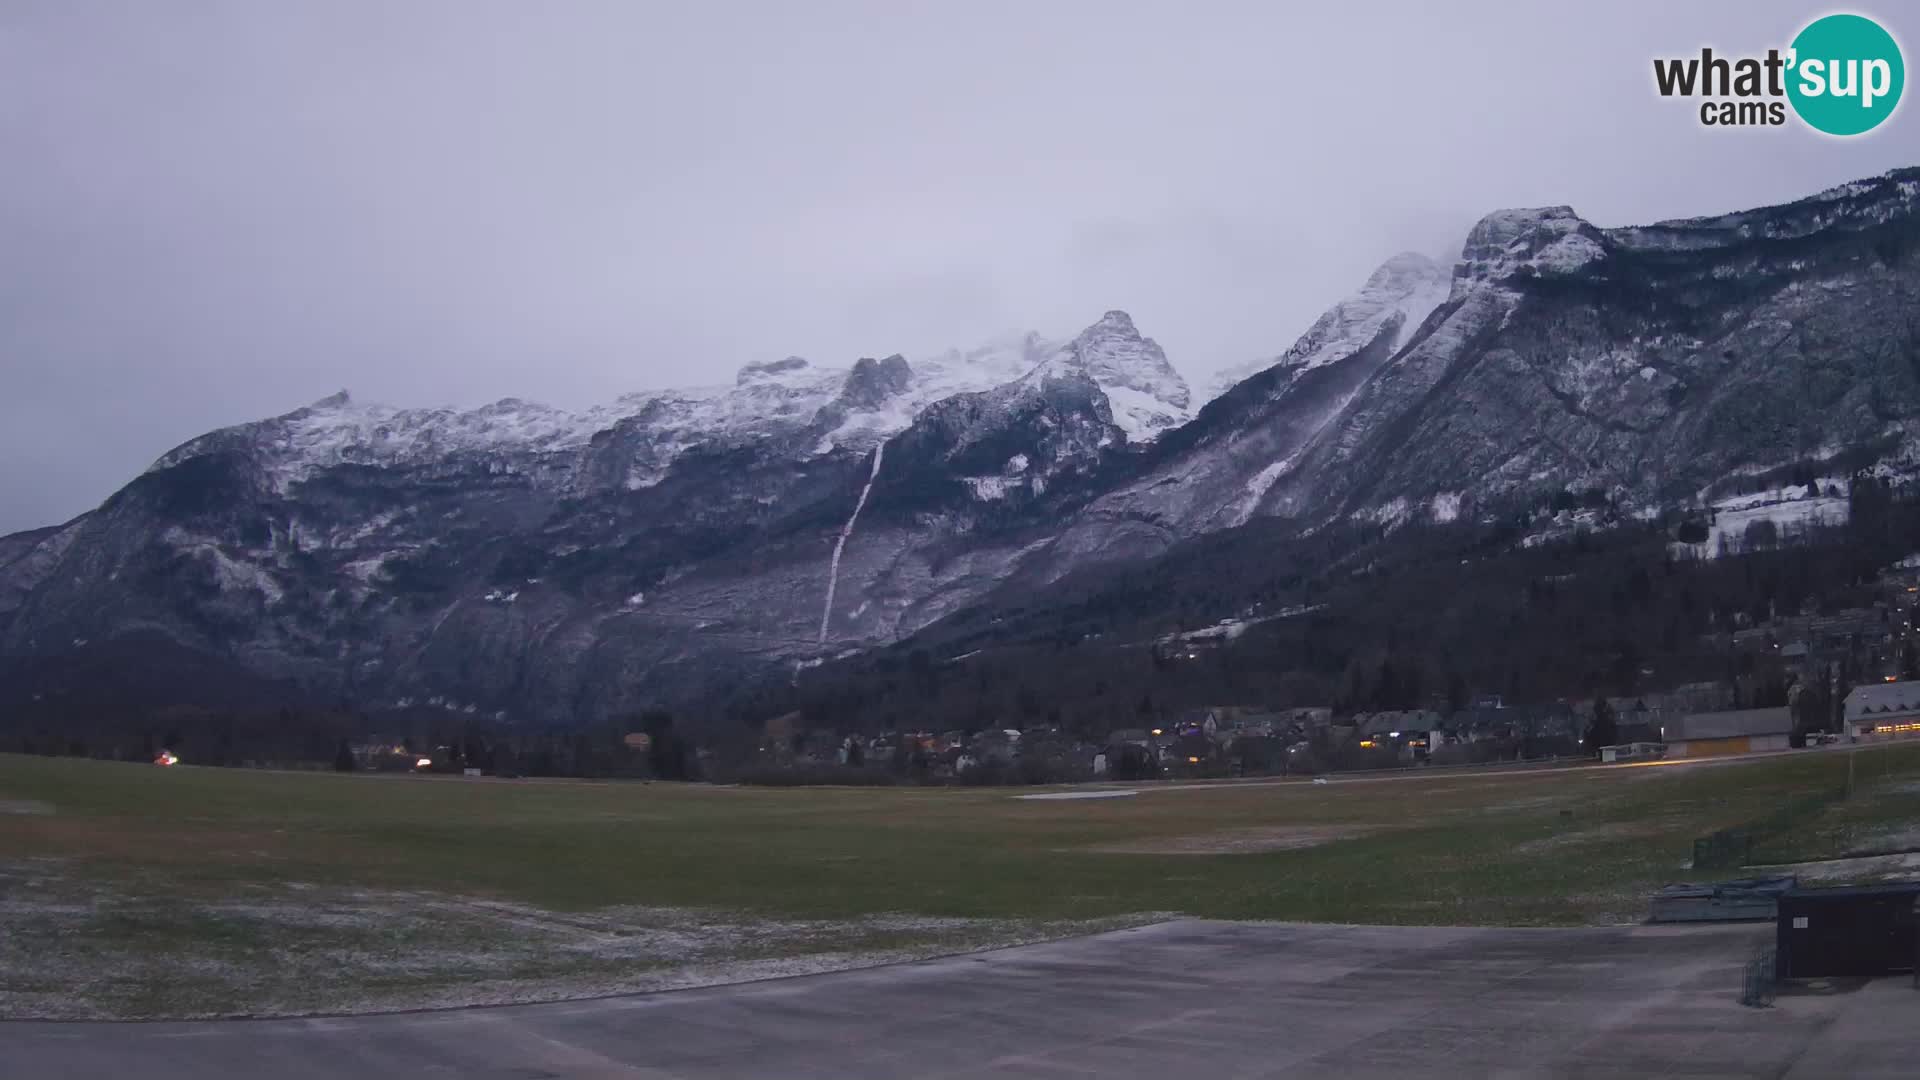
pixel 78 949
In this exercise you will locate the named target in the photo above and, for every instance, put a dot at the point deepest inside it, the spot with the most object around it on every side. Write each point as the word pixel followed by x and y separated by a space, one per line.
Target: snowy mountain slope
pixel 1406 287
pixel 538 565
pixel 1144 393
pixel 1647 362
pixel 1214 472
pixel 516 556
pixel 848 408
pixel 936 378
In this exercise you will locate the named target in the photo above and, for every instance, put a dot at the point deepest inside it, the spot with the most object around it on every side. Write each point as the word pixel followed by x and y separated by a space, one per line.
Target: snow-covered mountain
pixel 847 408
pixel 1147 396
pixel 524 562
pixel 515 551
pixel 1216 471
pixel 1404 290
pixel 1654 364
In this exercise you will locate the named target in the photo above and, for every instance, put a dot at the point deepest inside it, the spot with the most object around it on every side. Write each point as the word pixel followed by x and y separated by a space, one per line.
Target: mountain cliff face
pixel 525 563
pixel 1213 473
pixel 1654 364
pixel 1396 299
pixel 522 562
pixel 1651 363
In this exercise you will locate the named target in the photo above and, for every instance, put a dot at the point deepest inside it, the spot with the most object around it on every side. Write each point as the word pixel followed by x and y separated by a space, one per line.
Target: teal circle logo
pixel 1846 74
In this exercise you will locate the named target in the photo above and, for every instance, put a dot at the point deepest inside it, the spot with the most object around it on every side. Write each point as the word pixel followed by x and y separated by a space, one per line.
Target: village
pixel 1805 679
pixel 1235 740
pixel 1808 679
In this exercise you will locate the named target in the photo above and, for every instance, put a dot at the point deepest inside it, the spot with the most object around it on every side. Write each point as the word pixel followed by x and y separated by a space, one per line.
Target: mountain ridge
pixel 540 565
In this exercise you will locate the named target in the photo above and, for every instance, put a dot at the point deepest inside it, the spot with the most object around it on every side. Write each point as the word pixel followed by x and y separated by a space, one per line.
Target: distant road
pixel 1185 999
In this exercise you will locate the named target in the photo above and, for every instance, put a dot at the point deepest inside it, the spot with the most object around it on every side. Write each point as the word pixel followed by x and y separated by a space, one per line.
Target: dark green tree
pixel 1604 730
pixel 666 752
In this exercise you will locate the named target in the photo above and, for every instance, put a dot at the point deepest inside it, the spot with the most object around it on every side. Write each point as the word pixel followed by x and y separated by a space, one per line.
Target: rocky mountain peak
pixel 1112 352
pixel 872 382
pixel 769 370
pixel 1403 273
pixel 400 556
pixel 1542 241
pixel 1406 287
pixel 1146 393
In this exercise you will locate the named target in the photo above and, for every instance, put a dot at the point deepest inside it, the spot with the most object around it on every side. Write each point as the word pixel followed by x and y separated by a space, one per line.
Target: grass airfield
pixel 135 891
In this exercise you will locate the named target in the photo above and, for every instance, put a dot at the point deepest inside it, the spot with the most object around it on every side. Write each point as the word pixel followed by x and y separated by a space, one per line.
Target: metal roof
pixel 1731 724
pixel 1883 697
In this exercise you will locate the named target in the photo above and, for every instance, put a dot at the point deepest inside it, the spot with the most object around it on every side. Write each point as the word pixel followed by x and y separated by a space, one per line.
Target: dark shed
pixel 1852 930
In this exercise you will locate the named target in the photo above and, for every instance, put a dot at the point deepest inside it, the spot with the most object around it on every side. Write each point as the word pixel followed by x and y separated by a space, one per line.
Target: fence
pixel 1758 990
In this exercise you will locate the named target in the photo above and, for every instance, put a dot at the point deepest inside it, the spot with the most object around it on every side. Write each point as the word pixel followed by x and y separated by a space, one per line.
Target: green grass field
pixel 135 890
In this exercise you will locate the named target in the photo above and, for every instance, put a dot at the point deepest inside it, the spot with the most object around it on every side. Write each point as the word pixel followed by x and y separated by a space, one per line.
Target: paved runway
pixel 1184 999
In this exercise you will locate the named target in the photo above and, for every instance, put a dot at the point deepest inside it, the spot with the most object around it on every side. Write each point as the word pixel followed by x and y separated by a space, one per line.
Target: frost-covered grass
pixel 1880 820
pixel 79 948
pixel 132 890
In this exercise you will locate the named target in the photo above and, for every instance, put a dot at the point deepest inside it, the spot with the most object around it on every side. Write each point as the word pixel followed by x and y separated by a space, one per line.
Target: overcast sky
pixel 215 212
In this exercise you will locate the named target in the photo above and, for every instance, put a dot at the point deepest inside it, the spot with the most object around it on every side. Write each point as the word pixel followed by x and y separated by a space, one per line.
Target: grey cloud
pixel 211 212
